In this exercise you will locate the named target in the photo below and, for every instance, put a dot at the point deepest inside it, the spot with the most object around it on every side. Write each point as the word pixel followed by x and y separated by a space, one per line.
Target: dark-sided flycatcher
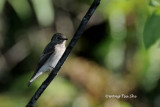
pixel 50 56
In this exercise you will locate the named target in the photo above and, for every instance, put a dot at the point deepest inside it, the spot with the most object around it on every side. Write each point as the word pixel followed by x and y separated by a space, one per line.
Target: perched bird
pixel 50 56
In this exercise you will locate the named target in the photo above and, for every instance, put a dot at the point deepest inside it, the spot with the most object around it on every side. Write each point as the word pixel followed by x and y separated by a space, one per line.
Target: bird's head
pixel 58 38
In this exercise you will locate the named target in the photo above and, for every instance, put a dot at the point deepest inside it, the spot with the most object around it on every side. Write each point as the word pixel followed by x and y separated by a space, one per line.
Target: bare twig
pixel 65 55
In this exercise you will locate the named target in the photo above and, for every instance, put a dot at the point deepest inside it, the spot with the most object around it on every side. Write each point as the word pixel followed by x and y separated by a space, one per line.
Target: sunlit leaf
pixel 151 30
pixel 44 11
pixel 154 3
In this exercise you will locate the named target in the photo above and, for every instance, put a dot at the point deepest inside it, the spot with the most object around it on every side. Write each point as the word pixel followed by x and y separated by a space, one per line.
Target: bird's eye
pixel 58 38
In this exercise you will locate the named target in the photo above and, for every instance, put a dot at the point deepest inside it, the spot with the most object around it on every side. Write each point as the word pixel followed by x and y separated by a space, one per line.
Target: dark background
pixel 109 58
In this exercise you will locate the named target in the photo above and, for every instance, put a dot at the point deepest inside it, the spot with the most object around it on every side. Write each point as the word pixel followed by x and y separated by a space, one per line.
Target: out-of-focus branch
pixel 66 53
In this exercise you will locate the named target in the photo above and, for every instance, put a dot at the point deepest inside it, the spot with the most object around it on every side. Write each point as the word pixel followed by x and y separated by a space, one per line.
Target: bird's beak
pixel 65 38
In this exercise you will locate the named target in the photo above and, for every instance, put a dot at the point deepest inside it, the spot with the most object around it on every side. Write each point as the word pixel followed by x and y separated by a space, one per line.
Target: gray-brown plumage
pixel 50 56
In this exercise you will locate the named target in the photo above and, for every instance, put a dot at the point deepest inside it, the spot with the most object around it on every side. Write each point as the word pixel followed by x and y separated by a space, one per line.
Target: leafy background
pixel 117 54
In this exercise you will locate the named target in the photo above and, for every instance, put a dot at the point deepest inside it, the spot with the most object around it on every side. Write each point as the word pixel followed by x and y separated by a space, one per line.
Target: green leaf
pixel 154 3
pixel 151 30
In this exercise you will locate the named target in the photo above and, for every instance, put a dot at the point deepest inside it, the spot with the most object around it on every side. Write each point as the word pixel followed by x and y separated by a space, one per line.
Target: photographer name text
pixel 125 96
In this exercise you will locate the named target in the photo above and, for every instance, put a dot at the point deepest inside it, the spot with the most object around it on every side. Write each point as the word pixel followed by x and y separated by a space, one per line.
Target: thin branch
pixel 66 53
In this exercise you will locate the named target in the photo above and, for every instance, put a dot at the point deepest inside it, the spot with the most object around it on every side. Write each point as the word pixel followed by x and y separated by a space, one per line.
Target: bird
pixel 50 56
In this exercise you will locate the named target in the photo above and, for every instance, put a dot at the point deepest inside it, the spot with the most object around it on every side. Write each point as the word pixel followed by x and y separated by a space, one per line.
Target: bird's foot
pixel 51 67
pixel 29 83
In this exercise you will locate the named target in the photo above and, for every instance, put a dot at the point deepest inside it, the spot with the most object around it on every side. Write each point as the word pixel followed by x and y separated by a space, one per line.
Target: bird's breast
pixel 59 50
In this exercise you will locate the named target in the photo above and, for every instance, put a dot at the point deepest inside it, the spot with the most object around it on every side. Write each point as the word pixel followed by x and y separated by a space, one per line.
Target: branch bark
pixel 72 43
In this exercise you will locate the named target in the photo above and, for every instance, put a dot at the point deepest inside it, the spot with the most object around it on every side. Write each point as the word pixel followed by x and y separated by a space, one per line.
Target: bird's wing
pixel 48 51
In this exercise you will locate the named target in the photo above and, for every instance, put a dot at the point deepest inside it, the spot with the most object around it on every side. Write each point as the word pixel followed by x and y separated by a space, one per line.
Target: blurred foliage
pixel 117 54
pixel 151 30
pixel 154 2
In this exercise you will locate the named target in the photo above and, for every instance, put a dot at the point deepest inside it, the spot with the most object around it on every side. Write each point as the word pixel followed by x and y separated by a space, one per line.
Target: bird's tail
pixel 34 77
